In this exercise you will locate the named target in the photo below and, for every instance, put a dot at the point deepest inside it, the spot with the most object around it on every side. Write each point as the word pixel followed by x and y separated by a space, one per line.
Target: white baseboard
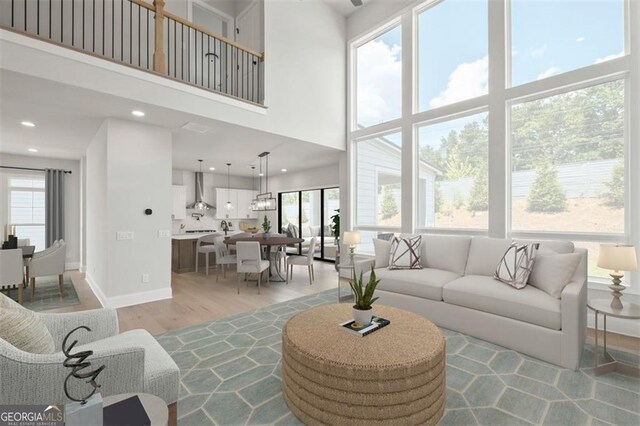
pixel 83 268
pixel 96 289
pixel 127 299
pixel 71 266
pixel 139 298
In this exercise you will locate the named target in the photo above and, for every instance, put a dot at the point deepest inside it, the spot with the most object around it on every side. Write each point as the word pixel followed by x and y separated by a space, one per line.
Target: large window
pixel 378 181
pixel 552 37
pixel 497 145
pixel 453 182
pixel 379 79
pixel 26 208
pixel 452 63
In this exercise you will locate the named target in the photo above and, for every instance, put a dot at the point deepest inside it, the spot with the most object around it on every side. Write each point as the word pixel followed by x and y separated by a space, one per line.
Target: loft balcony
pixel 145 36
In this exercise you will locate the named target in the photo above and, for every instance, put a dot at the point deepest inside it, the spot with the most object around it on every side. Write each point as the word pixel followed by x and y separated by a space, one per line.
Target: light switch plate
pixel 164 233
pixel 145 278
pixel 124 235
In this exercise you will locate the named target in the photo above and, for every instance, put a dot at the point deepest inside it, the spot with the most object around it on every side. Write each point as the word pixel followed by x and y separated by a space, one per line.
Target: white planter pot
pixel 362 317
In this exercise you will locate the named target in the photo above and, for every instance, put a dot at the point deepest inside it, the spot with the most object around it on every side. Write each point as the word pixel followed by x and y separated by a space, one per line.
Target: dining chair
pixel 11 268
pixel 50 261
pixel 223 258
pixel 303 261
pixel 249 261
pixel 204 245
pixel 24 242
pixel 232 247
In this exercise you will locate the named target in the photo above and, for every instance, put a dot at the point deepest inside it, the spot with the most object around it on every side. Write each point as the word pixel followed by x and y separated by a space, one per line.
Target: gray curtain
pixel 54 205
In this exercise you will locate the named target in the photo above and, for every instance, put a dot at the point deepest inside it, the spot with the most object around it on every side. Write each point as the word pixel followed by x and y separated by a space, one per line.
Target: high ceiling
pixel 67 118
pixel 344 7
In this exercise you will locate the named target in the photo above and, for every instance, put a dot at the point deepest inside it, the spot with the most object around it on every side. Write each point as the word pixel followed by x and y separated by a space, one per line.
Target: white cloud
pixel 580 39
pixel 379 83
pixel 468 80
pixel 538 51
pixel 609 57
pixel 549 72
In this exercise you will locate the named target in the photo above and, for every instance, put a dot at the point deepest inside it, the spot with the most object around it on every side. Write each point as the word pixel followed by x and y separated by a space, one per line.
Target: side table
pixel 341 267
pixel 628 311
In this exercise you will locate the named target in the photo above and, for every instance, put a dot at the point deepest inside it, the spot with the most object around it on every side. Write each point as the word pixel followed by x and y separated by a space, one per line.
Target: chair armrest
pixel 27 378
pixel 52 263
pixel 573 307
pixel 102 322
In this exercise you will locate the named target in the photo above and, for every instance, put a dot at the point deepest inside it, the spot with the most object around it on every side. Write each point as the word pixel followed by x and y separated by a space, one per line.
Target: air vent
pixel 195 127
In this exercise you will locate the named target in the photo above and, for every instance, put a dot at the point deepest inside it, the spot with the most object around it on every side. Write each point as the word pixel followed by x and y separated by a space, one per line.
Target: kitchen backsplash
pixel 208 221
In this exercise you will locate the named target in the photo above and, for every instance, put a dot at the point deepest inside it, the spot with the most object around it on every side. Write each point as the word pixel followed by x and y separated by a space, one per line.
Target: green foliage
pixel 458 200
pixel 615 195
pixel 266 224
pixel 364 293
pixel 457 166
pixel 437 197
pixel 479 195
pixel 335 224
pixel 546 195
pixel 388 205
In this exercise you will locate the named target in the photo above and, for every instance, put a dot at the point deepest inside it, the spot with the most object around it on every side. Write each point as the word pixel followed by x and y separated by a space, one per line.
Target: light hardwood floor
pixel 198 298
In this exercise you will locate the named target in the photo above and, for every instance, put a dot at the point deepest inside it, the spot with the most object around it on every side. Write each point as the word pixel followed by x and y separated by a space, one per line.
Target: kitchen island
pixel 183 252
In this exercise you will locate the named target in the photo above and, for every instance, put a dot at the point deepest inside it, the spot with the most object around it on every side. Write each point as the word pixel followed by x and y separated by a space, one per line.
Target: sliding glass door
pixel 307 214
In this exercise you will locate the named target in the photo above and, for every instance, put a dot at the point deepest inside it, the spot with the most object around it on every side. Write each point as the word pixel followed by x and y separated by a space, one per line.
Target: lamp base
pixel 616 289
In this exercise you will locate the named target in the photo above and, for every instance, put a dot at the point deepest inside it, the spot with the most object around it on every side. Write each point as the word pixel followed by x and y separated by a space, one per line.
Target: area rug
pixel 230 375
pixel 47 295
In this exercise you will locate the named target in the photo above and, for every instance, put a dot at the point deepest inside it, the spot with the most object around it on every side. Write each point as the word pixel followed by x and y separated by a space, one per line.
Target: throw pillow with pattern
pixel 405 252
pixel 516 265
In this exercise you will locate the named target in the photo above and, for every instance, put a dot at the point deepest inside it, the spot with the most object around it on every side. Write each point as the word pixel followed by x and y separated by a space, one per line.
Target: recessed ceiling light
pixel 212 168
pixel 283 170
pixel 33 150
pixel 260 174
pixel 137 113
pixel 28 124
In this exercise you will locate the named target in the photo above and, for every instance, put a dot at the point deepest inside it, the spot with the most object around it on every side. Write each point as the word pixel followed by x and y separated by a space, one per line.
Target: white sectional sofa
pixel 456 290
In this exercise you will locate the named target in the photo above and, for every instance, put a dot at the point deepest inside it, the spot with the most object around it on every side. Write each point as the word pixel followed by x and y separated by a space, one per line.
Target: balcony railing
pixel 145 36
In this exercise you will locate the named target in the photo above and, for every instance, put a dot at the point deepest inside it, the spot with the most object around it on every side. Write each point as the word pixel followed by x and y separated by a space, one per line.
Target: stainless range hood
pixel 199 204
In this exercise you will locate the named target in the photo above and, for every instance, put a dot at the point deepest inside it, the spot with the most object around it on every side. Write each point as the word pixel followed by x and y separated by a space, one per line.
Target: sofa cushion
pixel 559 246
pixel 485 255
pixel 161 374
pixel 486 294
pixel 23 329
pixel 405 253
pixel 445 252
pixel 516 265
pixel 424 283
pixel 552 271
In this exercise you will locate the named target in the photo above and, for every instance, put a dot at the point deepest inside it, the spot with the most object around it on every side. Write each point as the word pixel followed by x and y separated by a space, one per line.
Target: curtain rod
pixel 29 168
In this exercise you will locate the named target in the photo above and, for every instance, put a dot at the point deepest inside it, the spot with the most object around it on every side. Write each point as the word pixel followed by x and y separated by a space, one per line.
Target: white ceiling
pixel 67 118
pixel 344 7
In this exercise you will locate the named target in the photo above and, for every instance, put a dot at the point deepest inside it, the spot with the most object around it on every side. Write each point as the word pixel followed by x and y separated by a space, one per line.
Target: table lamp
pixel 617 257
pixel 352 239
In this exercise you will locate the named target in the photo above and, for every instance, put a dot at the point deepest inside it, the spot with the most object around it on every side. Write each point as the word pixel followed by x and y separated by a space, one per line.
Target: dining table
pixel 268 243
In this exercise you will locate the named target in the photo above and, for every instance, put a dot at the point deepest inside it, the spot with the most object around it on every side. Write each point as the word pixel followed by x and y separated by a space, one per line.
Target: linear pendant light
pixel 265 200
pixel 253 204
pixel 228 207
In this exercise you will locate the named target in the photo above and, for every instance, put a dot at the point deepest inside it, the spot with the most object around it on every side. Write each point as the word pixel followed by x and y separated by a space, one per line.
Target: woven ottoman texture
pixel 395 375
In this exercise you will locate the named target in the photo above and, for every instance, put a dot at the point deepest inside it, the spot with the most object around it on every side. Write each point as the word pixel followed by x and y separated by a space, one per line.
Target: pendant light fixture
pixel 228 207
pixel 253 204
pixel 265 200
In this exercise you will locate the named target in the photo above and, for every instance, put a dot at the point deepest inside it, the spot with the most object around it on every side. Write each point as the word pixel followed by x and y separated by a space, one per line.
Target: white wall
pixel 374 13
pixel 72 197
pixel 138 176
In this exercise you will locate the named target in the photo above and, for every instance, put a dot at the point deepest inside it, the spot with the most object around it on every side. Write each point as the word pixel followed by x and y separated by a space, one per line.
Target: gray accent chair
pixel 134 360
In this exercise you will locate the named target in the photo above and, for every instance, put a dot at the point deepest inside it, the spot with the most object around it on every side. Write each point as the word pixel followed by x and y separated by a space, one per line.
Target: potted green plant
pixel 266 226
pixel 335 232
pixel 362 310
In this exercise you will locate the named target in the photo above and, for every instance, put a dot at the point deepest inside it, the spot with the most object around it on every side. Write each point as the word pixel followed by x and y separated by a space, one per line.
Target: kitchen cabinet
pixel 179 210
pixel 240 198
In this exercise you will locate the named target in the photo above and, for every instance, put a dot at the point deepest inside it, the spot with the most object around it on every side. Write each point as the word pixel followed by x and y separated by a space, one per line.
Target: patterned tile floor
pixel 230 371
pixel 47 295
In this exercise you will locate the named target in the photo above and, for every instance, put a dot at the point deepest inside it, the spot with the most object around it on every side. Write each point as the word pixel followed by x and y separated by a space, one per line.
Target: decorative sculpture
pixel 77 362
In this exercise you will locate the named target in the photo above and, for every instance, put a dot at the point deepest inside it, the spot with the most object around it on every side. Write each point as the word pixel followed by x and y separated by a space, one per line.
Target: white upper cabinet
pixel 179 210
pixel 240 199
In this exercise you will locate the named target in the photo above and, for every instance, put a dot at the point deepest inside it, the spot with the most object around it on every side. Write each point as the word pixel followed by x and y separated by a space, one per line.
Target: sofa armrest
pixel 27 378
pixel 362 265
pixel 573 306
pixel 102 322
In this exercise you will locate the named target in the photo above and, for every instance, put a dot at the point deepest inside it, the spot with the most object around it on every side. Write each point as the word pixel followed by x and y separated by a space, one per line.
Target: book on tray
pixel 352 327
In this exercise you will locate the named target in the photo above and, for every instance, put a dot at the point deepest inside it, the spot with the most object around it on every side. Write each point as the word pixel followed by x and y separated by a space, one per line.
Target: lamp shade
pixel 351 238
pixel 617 257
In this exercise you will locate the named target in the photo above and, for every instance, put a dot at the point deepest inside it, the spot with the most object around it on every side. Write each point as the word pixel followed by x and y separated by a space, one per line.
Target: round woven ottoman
pixel 395 375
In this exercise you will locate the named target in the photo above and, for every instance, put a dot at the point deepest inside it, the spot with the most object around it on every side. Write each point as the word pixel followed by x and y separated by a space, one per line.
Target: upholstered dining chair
pixel 46 263
pixel 24 242
pixel 223 258
pixel 303 261
pixel 11 271
pixel 135 361
pixel 232 247
pixel 205 245
pixel 249 261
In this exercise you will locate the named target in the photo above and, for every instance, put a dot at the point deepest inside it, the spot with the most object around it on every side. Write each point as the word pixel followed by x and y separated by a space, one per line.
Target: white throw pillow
pixel 484 254
pixel 552 271
pixel 23 329
pixel 516 265
pixel 405 253
pixel 382 250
